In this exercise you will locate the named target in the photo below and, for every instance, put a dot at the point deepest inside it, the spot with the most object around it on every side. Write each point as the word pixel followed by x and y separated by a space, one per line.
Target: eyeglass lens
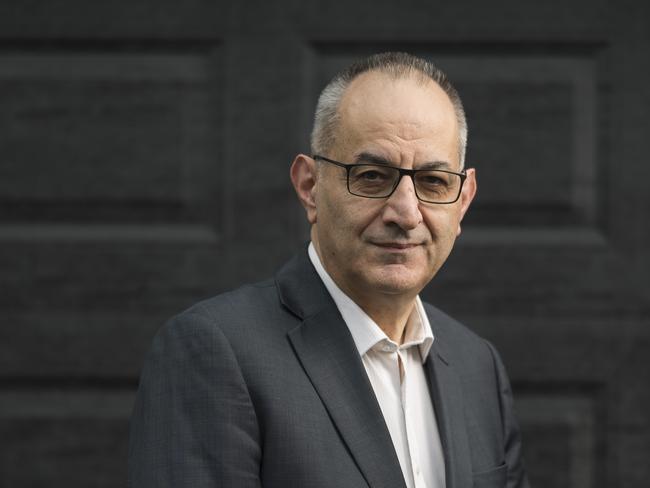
pixel 375 181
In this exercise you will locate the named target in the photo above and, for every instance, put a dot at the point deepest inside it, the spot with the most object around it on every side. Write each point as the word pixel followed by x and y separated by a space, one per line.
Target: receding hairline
pixel 419 78
pixel 415 76
pixel 395 72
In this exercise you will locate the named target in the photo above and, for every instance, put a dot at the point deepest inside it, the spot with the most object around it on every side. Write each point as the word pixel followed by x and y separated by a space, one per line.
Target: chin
pixel 396 282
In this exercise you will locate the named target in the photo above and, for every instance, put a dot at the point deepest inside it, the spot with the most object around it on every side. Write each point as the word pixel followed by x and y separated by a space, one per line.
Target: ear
pixel 467 195
pixel 304 178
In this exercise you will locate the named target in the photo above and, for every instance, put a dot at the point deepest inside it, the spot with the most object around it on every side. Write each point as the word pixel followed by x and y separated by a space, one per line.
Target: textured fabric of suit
pixel 263 386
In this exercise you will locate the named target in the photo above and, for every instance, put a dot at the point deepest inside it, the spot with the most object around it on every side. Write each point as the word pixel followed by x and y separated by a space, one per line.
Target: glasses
pixel 381 180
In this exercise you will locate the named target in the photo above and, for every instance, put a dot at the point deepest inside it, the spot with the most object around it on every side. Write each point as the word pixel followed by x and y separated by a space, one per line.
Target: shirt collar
pixel 365 331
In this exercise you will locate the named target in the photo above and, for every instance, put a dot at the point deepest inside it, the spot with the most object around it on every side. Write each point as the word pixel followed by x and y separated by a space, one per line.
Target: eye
pixel 432 180
pixel 371 175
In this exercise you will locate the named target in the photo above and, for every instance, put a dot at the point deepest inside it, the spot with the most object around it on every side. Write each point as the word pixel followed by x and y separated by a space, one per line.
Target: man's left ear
pixel 467 195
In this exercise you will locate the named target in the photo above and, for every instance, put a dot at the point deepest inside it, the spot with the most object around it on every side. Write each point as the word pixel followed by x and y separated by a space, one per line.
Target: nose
pixel 403 207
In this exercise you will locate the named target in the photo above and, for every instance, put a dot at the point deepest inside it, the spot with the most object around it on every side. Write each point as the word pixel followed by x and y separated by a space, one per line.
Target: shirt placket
pixel 418 478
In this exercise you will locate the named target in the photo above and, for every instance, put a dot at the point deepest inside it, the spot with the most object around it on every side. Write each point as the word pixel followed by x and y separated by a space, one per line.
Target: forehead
pixel 398 115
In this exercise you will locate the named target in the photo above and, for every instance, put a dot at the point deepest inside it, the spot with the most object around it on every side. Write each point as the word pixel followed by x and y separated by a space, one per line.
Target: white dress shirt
pixel 397 376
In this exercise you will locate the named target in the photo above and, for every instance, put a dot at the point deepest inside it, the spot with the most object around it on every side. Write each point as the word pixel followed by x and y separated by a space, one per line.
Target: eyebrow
pixel 366 157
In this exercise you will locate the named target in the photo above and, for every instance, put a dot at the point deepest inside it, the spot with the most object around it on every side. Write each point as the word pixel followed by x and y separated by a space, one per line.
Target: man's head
pixel 391 113
pixel 397 65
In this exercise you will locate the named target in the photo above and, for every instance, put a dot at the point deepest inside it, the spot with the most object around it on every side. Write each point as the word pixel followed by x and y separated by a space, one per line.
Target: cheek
pixel 338 225
pixel 352 220
pixel 443 227
pixel 437 220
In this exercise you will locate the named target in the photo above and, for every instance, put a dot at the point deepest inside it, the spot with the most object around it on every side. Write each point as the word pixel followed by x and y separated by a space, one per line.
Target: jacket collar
pixel 300 289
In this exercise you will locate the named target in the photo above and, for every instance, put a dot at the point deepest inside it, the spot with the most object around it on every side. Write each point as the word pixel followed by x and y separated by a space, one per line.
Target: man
pixel 334 373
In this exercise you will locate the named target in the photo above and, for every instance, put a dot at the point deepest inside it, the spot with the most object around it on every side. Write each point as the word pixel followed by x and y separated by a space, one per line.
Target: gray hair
pixel 395 64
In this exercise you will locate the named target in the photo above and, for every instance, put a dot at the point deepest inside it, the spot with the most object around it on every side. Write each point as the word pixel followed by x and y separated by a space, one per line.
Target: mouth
pixel 396 246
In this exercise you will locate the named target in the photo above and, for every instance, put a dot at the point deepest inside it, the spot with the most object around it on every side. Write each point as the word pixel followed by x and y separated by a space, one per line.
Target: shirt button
pixel 387 348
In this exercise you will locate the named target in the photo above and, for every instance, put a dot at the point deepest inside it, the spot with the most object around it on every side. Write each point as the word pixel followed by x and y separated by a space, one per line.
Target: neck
pixel 390 312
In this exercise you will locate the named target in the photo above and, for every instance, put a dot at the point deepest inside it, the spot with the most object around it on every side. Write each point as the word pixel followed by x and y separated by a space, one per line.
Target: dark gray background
pixel 144 155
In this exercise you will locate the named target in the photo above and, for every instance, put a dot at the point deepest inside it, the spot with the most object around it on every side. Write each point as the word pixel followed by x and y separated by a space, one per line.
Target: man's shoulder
pixel 247 298
pixel 251 309
pixel 447 324
pixel 456 338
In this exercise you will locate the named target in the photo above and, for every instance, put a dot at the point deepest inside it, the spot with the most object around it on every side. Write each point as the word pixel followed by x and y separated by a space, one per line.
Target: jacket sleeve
pixel 193 423
pixel 517 477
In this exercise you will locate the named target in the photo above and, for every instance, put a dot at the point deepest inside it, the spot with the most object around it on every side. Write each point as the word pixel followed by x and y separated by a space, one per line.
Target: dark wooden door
pixel 144 155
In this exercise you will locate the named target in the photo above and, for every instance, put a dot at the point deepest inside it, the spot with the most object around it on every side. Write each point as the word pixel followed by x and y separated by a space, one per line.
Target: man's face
pixel 397 244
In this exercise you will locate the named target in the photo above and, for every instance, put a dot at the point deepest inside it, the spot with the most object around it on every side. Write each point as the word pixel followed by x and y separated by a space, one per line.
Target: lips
pixel 396 245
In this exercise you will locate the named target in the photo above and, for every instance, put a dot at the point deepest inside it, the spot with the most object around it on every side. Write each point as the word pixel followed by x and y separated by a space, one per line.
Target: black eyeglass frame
pixel 408 172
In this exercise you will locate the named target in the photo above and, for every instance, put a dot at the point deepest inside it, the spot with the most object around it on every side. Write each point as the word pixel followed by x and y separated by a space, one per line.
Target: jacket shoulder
pixel 250 297
pixel 253 310
pixel 458 340
pixel 449 326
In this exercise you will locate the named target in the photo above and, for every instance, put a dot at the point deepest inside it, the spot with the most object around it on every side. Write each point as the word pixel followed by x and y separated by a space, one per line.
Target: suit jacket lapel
pixel 327 352
pixel 447 397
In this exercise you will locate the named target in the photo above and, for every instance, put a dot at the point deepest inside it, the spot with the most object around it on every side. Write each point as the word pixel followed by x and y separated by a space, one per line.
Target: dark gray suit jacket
pixel 263 386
